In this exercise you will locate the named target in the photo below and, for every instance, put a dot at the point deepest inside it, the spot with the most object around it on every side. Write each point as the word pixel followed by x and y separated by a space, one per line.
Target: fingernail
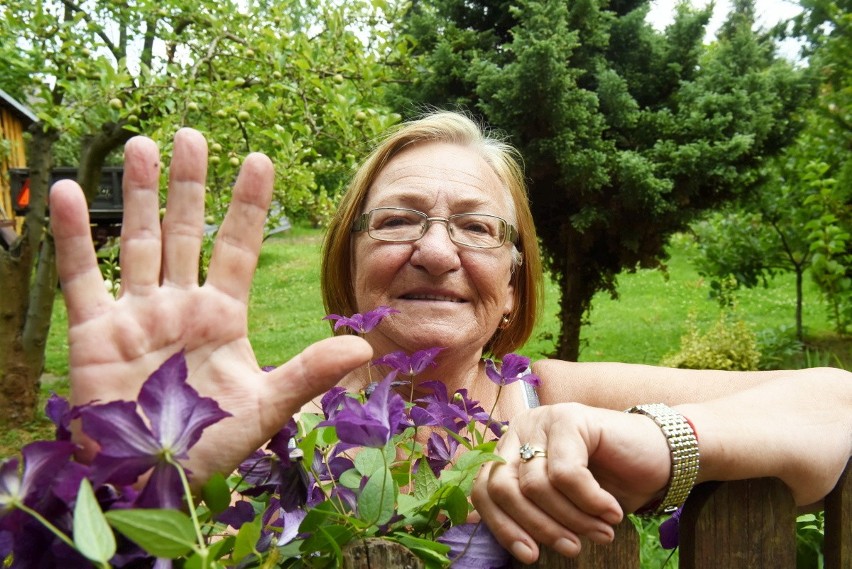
pixel 567 547
pixel 522 552
pixel 603 535
pixel 612 518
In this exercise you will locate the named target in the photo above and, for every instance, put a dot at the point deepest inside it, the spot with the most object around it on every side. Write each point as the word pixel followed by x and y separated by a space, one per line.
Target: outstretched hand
pixel 598 464
pixel 115 344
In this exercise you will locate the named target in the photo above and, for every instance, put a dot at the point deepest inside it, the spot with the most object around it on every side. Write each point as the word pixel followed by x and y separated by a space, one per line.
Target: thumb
pixel 315 370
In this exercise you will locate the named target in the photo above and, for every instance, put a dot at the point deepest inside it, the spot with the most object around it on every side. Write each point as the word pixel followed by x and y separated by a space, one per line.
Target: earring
pixel 504 322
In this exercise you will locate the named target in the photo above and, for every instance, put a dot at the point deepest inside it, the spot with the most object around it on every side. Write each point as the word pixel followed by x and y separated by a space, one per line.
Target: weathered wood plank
pixel 739 525
pixel 838 523
pixel 376 553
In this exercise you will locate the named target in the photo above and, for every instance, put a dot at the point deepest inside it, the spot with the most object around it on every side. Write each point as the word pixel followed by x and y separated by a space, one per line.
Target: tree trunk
pixel 94 153
pixel 577 289
pixel 26 306
pixel 18 393
pixel 25 313
pixel 800 336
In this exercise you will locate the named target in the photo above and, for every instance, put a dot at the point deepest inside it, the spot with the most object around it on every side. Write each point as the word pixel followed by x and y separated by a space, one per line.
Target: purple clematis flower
pixel 513 368
pixel 58 410
pixel 410 365
pixel 362 323
pixel 332 400
pixel 440 451
pixel 670 530
pixel 177 415
pixel 370 424
pixel 472 546
pixel 42 460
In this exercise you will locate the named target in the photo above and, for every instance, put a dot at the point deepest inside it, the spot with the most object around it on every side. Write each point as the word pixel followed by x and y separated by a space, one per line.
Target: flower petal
pixel 472 546
pixel 42 461
pixel 177 413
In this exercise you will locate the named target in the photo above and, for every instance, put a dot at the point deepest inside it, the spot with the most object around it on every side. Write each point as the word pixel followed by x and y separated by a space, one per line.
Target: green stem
pixel 202 546
pixel 491 413
pixel 43 521
pixel 384 487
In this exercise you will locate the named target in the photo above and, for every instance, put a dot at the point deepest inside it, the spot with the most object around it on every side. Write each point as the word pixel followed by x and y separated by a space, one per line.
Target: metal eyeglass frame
pixel 510 233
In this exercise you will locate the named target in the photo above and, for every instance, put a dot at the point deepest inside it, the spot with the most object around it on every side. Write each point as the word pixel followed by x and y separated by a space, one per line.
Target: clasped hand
pixel 597 465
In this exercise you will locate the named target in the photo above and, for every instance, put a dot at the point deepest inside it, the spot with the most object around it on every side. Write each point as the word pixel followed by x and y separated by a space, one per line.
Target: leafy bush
pixel 728 345
pixel 810 538
pixel 778 347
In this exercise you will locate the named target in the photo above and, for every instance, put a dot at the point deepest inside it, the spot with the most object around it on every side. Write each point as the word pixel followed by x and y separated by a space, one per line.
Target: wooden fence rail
pixel 733 525
pixel 736 525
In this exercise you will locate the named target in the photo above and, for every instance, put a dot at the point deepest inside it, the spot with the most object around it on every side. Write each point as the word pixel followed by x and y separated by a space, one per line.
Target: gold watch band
pixel 683 446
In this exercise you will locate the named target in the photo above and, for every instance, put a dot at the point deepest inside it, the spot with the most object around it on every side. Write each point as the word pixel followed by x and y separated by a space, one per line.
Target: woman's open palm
pixel 114 344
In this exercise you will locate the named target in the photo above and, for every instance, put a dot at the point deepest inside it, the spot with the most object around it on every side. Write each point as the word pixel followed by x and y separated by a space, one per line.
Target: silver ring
pixel 529 452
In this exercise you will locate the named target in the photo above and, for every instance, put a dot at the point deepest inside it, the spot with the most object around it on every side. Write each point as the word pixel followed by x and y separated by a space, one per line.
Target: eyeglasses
pixel 400 225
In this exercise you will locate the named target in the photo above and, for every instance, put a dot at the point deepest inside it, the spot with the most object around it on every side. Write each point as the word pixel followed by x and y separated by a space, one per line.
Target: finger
pixel 513 520
pixel 533 502
pixel 141 249
pixel 568 472
pixel 314 371
pixel 183 224
pixel 77 264
pixel 238 243
pixel 506 530
pixel 535 485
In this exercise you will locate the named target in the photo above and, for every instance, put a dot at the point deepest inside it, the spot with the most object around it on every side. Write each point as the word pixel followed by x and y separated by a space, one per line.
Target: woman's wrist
pixel 684 454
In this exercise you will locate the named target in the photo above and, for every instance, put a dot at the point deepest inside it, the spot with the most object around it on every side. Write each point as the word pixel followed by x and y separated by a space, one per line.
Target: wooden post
pixel 622 553
pixel 739 525
pixel 838 523
pixel 377 553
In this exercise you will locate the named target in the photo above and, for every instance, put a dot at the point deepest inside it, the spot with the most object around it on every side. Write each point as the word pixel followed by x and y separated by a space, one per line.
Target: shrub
pixel 778 347
pixel 728 345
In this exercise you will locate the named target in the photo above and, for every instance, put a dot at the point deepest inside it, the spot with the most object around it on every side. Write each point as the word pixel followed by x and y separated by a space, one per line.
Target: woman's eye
pixel 477 227
pixel 396 221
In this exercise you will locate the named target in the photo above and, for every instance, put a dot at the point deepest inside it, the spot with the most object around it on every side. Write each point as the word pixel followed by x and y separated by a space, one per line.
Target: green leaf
pixel 474 459
pixel 247 537
pixel 455 502
pixel 291 550
pixel 222 547
pixel 376 501
pixel 329 539
pixel 350 479
pixel 369 460
pixel 216 494
pixel 92 535
pixel 324 513
pixel 426 549
pixel 317 437
pixel 425 482
pixel 162 533
pixel 407 504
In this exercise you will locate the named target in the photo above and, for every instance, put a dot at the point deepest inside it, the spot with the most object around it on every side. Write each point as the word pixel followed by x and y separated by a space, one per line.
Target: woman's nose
pixel 435 251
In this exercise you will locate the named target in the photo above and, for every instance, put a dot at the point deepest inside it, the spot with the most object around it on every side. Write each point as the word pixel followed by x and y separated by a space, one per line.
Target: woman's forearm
pixel 797 428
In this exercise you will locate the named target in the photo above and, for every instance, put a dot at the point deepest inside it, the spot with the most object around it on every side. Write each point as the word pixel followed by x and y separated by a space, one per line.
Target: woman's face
pixel 448 295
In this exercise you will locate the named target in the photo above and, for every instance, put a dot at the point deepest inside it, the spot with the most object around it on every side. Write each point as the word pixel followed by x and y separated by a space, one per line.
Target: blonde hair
pixel 455 128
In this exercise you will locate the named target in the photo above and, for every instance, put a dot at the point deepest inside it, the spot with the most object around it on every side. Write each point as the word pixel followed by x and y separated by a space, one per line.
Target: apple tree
pixel 300 81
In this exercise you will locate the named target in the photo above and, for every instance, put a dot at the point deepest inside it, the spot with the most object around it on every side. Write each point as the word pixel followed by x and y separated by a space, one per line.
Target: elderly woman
pixel 436 225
